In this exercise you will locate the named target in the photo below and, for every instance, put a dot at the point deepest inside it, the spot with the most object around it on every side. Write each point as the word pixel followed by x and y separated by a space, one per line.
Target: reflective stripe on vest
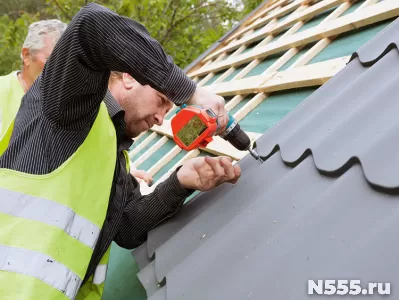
pixel 42 267
pixel 52 213
pixel 50 223
pixel 100 274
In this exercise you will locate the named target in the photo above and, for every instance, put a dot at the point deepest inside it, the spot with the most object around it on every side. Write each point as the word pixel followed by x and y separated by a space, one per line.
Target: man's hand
pixel 205 173
pixel 207 99
pixel 140 174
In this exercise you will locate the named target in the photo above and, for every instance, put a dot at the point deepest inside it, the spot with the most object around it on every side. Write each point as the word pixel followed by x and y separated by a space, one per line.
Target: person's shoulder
pixel 10 81
pixel 10 76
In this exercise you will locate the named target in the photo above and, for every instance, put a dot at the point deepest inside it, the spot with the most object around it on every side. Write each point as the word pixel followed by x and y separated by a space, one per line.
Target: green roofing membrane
pixel 157 155
pixel 347 43
pixel 273 109
pixel 122 282
pixel 316 20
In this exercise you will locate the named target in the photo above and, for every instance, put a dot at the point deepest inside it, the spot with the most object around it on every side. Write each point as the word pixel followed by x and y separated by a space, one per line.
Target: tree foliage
pixel 185 28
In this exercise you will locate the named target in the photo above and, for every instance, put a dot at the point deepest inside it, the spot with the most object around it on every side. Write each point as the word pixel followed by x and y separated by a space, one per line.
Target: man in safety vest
pixel 65 188
pixel 37 47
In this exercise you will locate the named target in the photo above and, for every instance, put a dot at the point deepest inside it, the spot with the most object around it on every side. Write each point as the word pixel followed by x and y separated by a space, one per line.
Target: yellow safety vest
pixel 51 223
pixel 11 93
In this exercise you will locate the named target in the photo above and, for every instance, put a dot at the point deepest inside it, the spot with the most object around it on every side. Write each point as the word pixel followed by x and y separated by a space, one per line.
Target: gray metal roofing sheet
pixel 324 205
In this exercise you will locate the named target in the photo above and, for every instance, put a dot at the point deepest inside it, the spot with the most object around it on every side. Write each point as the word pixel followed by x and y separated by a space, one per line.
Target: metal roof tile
pixel 324 204
pixel 338 124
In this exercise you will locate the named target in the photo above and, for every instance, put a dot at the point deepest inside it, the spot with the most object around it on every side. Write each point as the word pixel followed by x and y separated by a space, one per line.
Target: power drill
pixel 194 127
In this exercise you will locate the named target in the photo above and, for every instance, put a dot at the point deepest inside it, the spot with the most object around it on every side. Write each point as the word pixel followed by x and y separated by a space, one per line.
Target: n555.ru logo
pixel 345 287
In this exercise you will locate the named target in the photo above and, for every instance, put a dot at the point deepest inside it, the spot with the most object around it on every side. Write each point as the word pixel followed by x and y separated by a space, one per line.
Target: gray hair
pixel 49 28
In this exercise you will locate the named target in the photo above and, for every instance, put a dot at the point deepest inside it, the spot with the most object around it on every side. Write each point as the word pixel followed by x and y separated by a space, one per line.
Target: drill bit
pixel 255 154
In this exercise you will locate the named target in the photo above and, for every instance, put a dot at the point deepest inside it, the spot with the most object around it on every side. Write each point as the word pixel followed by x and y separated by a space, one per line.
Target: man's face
pixel 35 60
pixel 144 107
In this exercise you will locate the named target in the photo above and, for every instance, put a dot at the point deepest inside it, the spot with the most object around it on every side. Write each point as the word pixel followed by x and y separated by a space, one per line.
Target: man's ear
pixel 128 81
pixel 25 55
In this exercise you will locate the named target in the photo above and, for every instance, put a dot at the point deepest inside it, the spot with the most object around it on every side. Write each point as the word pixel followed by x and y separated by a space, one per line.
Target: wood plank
pixel 217 147
pixel 150 152
pixel 233 102
pixel 368 15
pixel 242 86
pixel 164 161
pixel 308 75
pixel 142 145
pixel 305 15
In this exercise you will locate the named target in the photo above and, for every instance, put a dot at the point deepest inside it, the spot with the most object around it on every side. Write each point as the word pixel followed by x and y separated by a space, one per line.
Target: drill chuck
pixel 236 136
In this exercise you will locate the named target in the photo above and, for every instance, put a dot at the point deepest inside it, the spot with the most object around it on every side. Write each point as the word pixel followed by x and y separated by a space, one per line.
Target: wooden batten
pixel 233 102
pixel 308 75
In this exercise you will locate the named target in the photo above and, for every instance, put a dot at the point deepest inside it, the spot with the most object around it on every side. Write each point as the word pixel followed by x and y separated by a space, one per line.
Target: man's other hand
pixel 143 175
pixel 205 173
pixel 207 99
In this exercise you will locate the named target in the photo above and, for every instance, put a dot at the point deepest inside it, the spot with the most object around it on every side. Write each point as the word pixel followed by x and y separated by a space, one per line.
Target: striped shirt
pixel 57 112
